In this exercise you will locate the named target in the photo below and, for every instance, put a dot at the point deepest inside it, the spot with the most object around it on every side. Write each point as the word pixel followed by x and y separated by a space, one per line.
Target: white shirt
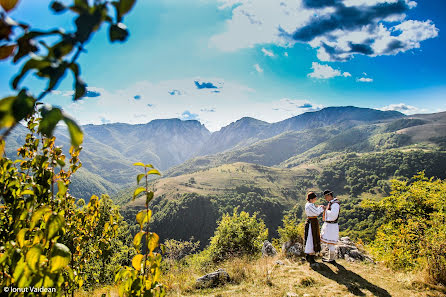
pixel 333 213
pixel 312 211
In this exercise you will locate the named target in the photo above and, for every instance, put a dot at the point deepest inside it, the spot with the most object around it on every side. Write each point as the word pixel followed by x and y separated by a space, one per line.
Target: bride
pixel 312 235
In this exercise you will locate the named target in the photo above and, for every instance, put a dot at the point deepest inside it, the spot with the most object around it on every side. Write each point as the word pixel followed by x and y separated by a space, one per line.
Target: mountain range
pixel 179 147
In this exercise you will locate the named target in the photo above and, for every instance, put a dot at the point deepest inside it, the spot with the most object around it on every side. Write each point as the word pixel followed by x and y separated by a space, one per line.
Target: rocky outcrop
pixel 214 279
pixel 346 249
pixel 291 249
pixel 268 249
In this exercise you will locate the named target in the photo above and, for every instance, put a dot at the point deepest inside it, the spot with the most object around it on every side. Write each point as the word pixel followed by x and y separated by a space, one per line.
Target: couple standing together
pixel 330 229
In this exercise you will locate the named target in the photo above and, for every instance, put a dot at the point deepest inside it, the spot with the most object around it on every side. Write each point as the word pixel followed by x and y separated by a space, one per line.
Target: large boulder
pixel 293 249
pixel 214 279
pixel 268 249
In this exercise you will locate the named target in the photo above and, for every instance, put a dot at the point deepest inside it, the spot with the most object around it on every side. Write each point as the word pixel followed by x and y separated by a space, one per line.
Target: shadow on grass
pixel 352 281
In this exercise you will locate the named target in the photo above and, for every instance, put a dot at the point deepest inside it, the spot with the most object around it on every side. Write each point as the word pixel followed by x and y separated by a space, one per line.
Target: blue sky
pixel 217 61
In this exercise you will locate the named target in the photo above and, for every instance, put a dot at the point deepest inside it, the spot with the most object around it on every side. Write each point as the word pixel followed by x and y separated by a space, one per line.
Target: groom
pixel 330 228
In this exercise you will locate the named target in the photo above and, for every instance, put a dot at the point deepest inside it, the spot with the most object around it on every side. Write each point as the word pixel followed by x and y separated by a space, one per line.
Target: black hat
pixel 328 192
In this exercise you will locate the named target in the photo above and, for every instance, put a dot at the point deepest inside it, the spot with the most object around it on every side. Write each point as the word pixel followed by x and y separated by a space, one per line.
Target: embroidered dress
pixel 330 228
pixel 312 237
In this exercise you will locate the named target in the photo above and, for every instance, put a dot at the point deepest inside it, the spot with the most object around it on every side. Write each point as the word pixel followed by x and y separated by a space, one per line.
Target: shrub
pixel 178 249
pixel 414 233
pixel 237 235
pixel 291 231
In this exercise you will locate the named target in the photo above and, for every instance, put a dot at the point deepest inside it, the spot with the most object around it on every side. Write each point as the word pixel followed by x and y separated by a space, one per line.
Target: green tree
pixel 237 235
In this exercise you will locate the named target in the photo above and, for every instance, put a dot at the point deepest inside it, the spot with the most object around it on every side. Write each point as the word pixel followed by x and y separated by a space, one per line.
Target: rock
pixel 213 279
pixel 346 249
pixel 268 250
pixel 292 249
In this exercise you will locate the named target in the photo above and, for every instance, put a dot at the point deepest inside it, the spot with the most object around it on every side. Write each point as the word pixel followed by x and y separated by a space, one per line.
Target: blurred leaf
pixel 33 256
pixel 139 177
pixel 81 3
pixel 37 215
pixel 138 191
pixel 58 6
pixel 34 63
pixel 6 51
pixel 21 236
pixel 88 23
pixel 60 257
pixel 63 48
pixel 75 68
pixel 137 261
pixel 54 72
pixel 2 147
pixel 138 164
pixel 26 45
pixel 6 117
pixel 8 4
pixel 50 118
pixel 62 188
pixel 76 134
pixel 54 224
pixel 80 88
pixel 118 32
pixel 125 6
pixel 23 105
pixel 27 192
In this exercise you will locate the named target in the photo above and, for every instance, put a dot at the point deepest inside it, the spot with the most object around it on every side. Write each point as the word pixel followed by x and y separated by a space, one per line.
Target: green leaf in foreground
pixel 33 257
pixel 54 225
pixel 50 118
pixel 76 134
pixel 60 257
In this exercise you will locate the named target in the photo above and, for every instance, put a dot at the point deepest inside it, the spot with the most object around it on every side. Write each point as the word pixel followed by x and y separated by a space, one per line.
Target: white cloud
pixel 267 52
pixel 365 79
pixel 258 68
pixel 402 107
pixel 325 72
pixel 368 27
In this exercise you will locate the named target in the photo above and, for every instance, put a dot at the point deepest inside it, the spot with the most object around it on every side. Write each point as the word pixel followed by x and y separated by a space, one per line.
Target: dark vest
pixel 329 208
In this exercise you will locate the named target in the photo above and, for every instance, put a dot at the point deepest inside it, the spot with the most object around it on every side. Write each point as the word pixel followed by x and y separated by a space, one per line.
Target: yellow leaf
pixel 136 262
pixel 138 191
pixel 60 257
pixel 153 241
pixel 8 4
pixel 33 257
pixel 154 171
pixel 137 239
pixel 21 236
pixel 143 216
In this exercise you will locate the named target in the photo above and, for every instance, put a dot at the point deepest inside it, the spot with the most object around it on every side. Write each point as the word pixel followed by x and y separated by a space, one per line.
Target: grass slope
pixel 265 278
pixel 283 184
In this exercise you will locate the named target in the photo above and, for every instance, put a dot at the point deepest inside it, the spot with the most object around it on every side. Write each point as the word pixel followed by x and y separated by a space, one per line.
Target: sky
pixel 217 61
